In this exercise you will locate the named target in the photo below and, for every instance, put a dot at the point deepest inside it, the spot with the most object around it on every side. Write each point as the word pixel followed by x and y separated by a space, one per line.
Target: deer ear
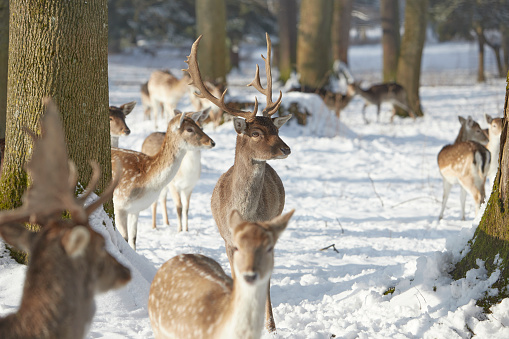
pixel 182 117
pixel 17 236
pixel 279 223
pixel 235 219
pixel 127 108
pixel 488 117
pixel 76 241
pixel 278 122
pixel 462 120
pixel 200 116
pixel 240 125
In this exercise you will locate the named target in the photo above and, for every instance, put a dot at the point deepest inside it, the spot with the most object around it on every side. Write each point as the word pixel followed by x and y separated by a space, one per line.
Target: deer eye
pixel 255 134
pixel 190 130
pixel 270 249
pixel 111 119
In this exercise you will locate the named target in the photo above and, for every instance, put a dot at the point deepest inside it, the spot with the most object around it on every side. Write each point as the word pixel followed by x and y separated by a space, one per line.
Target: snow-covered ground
pixel 373 191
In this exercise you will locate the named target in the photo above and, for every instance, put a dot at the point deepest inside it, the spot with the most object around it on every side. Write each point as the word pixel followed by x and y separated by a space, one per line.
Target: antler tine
pixel 96 174
pixel 194 72
pixel 108 192
pixel 271 107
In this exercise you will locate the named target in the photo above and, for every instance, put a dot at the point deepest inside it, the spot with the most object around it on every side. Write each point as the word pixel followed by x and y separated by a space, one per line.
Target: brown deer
pixel 494 131
pixel 182 185
pixel 165 91
pixel 118 126
pixel 465 162
pixel 390 92
pixel 144 176
pixel 250 186
pixel 192 297
pixel 68 261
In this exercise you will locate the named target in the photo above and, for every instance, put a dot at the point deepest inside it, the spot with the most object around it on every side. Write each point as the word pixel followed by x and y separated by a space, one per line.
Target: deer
pixel 250 186
pixel 144 176
pixel 118 126
pixel 68 261
pixel 145 100
pixel 192 297
pixel 494 131
pixel 199 104
pixel 165 92
pixel 465 162
pixel 377 94
pixel 182 185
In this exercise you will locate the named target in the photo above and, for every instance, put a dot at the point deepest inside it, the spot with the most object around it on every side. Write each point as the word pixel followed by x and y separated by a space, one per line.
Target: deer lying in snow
pixel 118 126
pixel 465 162
pixel 144 176
pixel 390 92
pixel 182 185
pixel 494 131
pixel 68 261
pixel 192 297
pixel 250 186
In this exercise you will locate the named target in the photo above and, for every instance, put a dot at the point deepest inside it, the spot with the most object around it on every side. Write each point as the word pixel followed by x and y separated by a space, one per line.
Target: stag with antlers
pixel 250 186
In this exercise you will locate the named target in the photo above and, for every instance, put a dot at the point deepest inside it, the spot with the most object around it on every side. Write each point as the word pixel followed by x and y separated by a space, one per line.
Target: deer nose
pixel 250 277
pixel 286 150
pixel 212 143
pixel 127 131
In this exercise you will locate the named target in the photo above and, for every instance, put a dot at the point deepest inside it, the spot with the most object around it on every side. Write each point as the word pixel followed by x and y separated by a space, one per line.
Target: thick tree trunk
pixel 4 54
pixel 480 43
pixel 341 23
pixel 505 47
pixel 211 22
pixel 389 10
pixel 313 42
pixel 287 19
pixel 57 49
pixel 491 239
pixel 412 44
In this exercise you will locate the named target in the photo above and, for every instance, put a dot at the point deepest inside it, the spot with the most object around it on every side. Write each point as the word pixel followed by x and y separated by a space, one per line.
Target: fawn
pixel 118 126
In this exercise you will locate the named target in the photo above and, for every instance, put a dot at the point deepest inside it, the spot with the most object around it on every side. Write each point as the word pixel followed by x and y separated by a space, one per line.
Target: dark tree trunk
pixel 479 31
pixel 313 42
pixel 341 23
pixel 389 10
pixel 287 19
pixel 211 22
pixel 505 48
pixel 4 54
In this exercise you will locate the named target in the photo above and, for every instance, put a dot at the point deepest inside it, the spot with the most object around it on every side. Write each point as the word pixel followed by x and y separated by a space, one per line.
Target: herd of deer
pixel 69 263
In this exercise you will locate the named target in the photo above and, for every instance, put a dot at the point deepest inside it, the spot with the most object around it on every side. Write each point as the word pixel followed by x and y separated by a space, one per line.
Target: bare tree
pixel 389 10
pixel 4 54
pixel 287 19
pixel 341 23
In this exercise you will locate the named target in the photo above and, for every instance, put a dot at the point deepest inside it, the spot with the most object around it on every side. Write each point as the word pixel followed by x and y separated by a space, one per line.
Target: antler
pixel 196 80
pixel 271 107
pixel 49 195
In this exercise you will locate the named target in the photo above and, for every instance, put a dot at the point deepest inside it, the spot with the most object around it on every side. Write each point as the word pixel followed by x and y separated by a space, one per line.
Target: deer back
pixel 165 87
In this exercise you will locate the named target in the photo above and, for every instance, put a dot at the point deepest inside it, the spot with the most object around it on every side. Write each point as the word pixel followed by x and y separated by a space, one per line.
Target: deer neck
pixel 114 140
pixel 163 166
pixel 246 311
pixel 462 135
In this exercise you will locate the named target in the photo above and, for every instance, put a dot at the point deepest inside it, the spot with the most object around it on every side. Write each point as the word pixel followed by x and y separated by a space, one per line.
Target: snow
pixel 374 191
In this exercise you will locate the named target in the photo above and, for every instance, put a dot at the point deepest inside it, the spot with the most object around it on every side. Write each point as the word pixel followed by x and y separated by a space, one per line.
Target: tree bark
pixel 389 10
pixel 313 42
pixel 57 49
pixel 287 19
pixel 480 43
pixel 341 23
pixel 211 22
pixel 505 47
pixel 412 44
pixel 4 54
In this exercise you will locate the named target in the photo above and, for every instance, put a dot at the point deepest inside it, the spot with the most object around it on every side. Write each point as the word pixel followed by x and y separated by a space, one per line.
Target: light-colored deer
pixel 494 131
pixel 250 186
pixel 68 261
pixel 165 91
pixel 377 94
pixel 118 126
pixel 182 185
pixel 192 297
pixel 465 162
pixel 144 176
pixel 145 101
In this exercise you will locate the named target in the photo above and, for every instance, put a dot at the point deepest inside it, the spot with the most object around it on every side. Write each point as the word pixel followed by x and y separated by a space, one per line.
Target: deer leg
pixel 378 113
pixel 121 222
pixel 132 229
pixel 463 195
pixel 155 109
pixel 162 200
pixel 269 317
pixel 364 113
pixel 178 206
pixel 154 214
pixel 186 198
pixel 445 196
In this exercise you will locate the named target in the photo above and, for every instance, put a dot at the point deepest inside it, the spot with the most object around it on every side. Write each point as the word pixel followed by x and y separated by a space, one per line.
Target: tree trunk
pixel 211 22
pixel 313 42
pixel 505 47
pixel 287 19
pixel 389 10
pixel 4 54
pixel 491 239
pixel 479 31
pixel 412 44
pixel 341 23
pixel 57 49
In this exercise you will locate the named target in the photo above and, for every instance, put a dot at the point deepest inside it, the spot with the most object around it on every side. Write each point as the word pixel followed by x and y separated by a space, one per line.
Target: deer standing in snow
pixel 182 185
pixel 68 261
pixel 118 126
pixel 165 91
pixel 465 162
pixel 494 131
pixel 390 92
pixel 250 186
pixel 144 176
pixel 192 297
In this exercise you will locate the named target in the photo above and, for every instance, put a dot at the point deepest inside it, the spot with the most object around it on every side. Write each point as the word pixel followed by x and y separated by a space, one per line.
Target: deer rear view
pixel 192 297
pixel 250 186
pixel 68 261
pixel 465 162
pixel 118 126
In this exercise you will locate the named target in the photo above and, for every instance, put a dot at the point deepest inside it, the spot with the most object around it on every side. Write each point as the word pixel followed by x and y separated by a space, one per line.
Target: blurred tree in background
pixel 341 24
pixel 287 20
pixel 389 13
pixel 4 55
